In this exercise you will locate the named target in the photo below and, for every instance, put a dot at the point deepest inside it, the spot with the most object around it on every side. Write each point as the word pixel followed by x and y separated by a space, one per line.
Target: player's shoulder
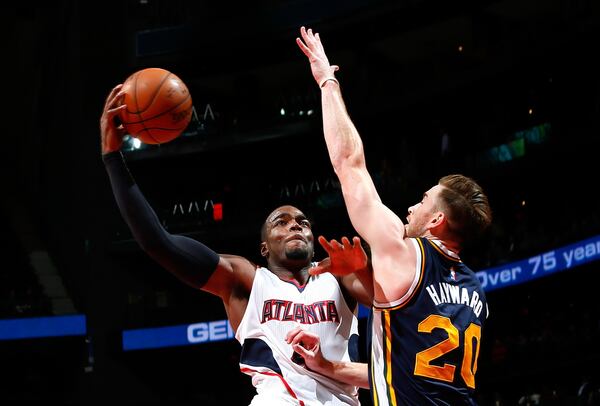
pixel 241 268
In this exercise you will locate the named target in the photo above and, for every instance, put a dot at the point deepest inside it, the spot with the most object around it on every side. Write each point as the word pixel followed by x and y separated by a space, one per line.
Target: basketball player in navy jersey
pixel 263 304
pixel 429 308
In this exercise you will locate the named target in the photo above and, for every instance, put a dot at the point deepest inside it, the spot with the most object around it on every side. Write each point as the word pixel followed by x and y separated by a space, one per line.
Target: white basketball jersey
pixel 274 308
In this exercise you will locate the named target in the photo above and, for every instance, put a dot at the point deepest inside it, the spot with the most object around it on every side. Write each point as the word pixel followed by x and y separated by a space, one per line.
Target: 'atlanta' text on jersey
pixel 285 310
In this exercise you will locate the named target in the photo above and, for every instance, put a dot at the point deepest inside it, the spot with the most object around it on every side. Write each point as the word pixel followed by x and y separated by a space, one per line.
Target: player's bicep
pixel 232 272
pixel 393 256
pixel 361 199
pixel 394 273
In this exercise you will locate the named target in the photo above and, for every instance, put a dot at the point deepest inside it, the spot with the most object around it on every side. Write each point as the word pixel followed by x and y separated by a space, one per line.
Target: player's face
pixel 420 215
pixel 289 235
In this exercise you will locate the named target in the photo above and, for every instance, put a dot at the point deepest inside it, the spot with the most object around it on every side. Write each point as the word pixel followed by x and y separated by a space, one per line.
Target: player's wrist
pixel 328 80
pixel 323 366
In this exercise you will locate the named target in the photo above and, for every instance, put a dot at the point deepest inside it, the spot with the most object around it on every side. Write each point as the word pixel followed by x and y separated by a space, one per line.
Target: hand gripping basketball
pixel 159 106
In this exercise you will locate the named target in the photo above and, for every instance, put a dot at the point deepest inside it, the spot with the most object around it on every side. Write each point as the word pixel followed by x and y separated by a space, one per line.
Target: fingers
pixel 304 339
pixel 114 103
pixel 311 40
pixel 346 243
pixel 297 339
pixel 325 244
pixel 330 246
pixel 356 244
pixel 300 336
pixel 111 96
pixel 115 111
pixel 303 32
pixel 304 48
pixel 292 334
pixel 307 35
pixel 301 350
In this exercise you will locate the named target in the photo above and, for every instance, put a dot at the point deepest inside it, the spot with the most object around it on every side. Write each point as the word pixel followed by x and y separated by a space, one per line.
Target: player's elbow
pixel 348 163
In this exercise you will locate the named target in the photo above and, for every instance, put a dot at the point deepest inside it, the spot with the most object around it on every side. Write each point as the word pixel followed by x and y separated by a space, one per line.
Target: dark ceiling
pixel 409 71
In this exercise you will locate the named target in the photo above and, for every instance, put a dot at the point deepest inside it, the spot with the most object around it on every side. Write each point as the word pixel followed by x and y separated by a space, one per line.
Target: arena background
pixel 505 91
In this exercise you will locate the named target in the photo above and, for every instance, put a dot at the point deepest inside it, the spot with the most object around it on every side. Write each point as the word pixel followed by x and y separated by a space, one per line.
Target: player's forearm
pixel 343 141
pixel 347 156
pixel 135 209
pixel 188 259
pixel 351 373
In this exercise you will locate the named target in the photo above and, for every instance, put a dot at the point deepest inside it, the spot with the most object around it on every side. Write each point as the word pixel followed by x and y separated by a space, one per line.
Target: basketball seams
pixel 148 89
pixel 153 98
pixel 159 114
pixel 139 111
pixel 148 130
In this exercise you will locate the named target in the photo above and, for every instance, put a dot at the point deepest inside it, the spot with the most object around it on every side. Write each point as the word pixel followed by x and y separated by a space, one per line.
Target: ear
pixel 264 250
pixel 438 219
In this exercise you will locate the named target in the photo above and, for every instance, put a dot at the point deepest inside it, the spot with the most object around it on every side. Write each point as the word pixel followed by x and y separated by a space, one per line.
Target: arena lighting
pixel 218 211
pixel 537 266
pixel 132 144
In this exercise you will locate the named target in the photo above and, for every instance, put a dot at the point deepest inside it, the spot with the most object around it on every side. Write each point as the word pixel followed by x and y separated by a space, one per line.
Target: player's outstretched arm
pixel 379 226
pixel 188 259
pixel 367 213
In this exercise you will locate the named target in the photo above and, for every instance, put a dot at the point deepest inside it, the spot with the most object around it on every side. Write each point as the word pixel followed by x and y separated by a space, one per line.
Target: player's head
pixel 455 209
pixel 286 235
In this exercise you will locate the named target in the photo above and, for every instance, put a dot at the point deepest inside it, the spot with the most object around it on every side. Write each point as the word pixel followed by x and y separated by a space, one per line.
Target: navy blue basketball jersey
pixel 424 346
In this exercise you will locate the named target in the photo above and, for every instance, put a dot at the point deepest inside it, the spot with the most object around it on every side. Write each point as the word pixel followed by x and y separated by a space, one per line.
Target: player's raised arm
pixel 188 259
pixel 382 229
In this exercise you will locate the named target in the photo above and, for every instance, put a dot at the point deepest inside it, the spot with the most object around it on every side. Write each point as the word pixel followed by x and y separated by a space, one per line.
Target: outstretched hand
pixel 111 134
pixel 344 258
pixel 312 47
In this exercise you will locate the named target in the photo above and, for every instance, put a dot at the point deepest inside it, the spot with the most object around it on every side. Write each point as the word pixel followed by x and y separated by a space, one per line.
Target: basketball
pixel 159 106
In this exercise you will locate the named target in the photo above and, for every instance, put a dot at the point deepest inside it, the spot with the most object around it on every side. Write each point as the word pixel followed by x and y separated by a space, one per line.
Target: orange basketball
pixel 159 106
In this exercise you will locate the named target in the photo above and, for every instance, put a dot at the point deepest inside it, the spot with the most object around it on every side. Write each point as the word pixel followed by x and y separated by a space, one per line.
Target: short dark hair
pixel 466 205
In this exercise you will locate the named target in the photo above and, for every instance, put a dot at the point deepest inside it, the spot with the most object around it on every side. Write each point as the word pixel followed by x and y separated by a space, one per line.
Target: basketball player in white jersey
pixel 263 303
